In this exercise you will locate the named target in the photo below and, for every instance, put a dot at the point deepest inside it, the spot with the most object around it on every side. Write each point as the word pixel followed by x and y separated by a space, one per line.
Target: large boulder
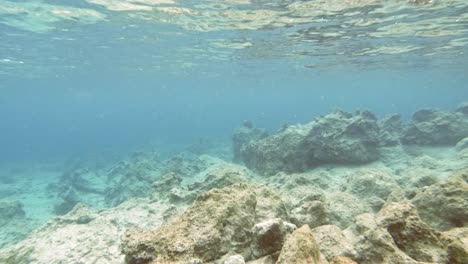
pixel 397 235
pixel 411 235
pixel 431 127
pixel 374 244
pixel 339 137
pixel 269 236
pixel 444 205
pixel 218 222
pixel 300 248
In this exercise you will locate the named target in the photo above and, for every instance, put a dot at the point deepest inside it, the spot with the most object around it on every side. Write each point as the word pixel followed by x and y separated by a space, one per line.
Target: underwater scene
pixel 233 131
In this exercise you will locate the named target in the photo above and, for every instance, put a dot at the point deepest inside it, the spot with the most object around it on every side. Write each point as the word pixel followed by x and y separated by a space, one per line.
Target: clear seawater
pixel 87 78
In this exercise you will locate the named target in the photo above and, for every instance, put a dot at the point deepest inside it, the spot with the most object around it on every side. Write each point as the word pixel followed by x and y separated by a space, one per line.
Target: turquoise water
pixel 83 76
pixel 86 83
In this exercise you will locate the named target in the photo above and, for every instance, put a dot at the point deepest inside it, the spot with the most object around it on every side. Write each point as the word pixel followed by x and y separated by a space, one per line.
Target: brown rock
pixel 300 248
pixel 397 235
pixel 444 205
pixel 343 260
pixel 218 222
pixel 269 236
pixel 417 239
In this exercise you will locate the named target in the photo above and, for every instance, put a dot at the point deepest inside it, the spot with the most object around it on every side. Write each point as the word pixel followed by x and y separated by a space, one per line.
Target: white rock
pixel 236 259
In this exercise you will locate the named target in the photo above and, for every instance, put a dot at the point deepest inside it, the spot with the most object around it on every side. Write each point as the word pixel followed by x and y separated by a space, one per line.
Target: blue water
pixel 142 79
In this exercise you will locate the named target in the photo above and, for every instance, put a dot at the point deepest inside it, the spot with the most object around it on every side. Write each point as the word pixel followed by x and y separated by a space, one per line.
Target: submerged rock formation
pixel 84 235
pixel 269 236
pixel 242 136
pixel 333 242
pixel 404 208
pixel 391 128
pixel 218 222
pixel 397 235
pixel 339 137
pixel 432 127
pixel 444 205
pixel 300 248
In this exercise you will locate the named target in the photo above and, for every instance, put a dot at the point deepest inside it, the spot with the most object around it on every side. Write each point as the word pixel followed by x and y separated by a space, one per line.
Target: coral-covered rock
pixel 218 222
pixel 300 248
pixel 332 242
pixel 444 205
pixel 269 236
pixel 431 127
pixel 339 137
